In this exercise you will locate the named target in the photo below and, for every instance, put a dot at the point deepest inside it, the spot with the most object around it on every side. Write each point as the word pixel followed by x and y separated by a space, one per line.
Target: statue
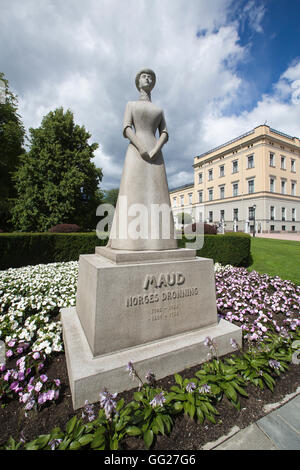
pixel 144 189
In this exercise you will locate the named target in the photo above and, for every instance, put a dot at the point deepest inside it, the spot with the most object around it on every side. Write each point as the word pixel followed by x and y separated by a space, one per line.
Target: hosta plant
pixel 194 401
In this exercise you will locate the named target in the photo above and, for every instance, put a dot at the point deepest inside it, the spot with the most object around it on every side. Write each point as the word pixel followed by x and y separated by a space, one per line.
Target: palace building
pixel 251 183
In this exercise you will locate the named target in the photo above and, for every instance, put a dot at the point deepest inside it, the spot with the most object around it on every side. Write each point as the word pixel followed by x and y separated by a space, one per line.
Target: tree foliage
pixel 12 135
pixel 111 196
pixel 57 181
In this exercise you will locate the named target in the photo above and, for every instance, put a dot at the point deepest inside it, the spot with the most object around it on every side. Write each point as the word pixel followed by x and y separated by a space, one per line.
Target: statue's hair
pixel 137 78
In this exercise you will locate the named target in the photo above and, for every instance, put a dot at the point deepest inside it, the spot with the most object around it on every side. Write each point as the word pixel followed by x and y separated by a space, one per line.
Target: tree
pixel 12 133
pixel 111 196
pixel 57 181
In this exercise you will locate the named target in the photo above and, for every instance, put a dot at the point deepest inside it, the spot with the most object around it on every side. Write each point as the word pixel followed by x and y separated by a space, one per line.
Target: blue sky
pixel 223 67
pixel 272 48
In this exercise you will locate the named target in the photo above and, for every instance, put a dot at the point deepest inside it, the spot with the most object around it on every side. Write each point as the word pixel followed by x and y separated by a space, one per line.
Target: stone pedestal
pixel 154 308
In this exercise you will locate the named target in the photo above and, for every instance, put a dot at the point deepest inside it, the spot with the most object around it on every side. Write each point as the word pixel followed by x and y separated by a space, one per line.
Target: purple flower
pixel 205 389
pixel 36 355
pixel 21 376
pixel 233 343
pixel 158 400
pixel 274 364
pixel 89 411
pixel 107 401
pixel 11 343
pixel 2 367
pixel 30 404
pixel 50 395
pixel 190 387
pixel 43 378
pixel 150 377
pixel 130 369
pixel 14 386
pixel 9 353
pixel 54 443
pixel 38 386
pixel 57 382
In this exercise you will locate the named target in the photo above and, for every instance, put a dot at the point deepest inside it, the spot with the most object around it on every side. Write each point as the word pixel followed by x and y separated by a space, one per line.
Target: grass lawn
pixel 276 258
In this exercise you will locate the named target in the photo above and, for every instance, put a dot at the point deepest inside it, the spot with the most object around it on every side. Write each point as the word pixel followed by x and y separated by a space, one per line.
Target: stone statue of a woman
pixel 143 219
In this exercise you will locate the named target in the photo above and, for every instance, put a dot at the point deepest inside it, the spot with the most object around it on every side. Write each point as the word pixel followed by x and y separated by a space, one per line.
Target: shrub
pixel 22 249
pixel 225 249
pixel 65 228
pixel 200 227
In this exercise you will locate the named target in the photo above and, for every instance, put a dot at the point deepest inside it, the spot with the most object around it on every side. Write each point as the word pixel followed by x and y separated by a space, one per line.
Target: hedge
pixel 230 248
pixel 22 249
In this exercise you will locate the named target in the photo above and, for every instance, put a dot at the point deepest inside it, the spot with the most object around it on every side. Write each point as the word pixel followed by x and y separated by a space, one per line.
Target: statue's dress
pixel 144 184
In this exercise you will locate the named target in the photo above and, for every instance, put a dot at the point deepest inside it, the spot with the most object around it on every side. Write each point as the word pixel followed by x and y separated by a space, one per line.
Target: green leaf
pixel 178 406
pixel 86 439
pixel 75 445
pixel 138 396
pixel 71 424
pixel 42 440
pixel 160 424
pixel 133 431
pixel 178 379
pixel 114 444
pixel 148 438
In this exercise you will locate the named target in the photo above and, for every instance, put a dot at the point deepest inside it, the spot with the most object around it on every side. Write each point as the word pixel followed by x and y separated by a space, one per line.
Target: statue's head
pixel 145 79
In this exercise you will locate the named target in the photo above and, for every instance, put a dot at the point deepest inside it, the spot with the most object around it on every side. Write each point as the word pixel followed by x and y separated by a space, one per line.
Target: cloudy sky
pixel 223 67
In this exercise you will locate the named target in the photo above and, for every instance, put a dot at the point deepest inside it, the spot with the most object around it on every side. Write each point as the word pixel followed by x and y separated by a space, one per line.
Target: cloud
pixel 85 56
pixel 279 109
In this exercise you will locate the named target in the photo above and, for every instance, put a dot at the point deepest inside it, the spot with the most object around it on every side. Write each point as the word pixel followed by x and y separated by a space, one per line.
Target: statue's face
pixel 146 81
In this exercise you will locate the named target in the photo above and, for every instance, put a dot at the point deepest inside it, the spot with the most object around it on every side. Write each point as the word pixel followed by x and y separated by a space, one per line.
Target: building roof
pixel 184 186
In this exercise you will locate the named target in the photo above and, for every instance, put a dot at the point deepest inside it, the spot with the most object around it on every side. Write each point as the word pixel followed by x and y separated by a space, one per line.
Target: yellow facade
pixel 260 168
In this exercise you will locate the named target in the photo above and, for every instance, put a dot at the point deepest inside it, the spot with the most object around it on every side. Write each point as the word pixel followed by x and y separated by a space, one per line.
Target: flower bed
pixel 266 308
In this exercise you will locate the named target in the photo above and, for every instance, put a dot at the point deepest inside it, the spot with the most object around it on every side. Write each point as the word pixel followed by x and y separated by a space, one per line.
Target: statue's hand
pixel 145 154
pixel 152 153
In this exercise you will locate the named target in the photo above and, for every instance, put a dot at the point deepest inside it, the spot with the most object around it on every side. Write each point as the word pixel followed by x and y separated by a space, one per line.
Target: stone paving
pixel 279 430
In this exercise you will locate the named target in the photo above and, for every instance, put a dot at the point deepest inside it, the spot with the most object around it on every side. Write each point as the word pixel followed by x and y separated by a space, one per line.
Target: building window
pixel 210 194
pixel 272 159
pixel 251 213
pixel 283 186
pixel 250 186
pixel 282 163
pixel 250 161
pixel 283 213
pixel 200 178
pixel 272 213
pixel 235 166
pixel 190 198
pixel 272 185
pixel 222 214
pixel 174 202
pixel 182 200
pixel 293 228
pixel 272 228
pixel 222 170
pixel 222 192
pixel 293 165
pixel 293 215
pixel 210 216
pixel 235 214
pixel 210 175
pixel 200 196
pixel 293 188
pixel 235 189
pixel 283 228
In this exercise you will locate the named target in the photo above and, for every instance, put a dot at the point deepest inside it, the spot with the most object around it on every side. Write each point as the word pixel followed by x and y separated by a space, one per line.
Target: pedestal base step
pixel 89 375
